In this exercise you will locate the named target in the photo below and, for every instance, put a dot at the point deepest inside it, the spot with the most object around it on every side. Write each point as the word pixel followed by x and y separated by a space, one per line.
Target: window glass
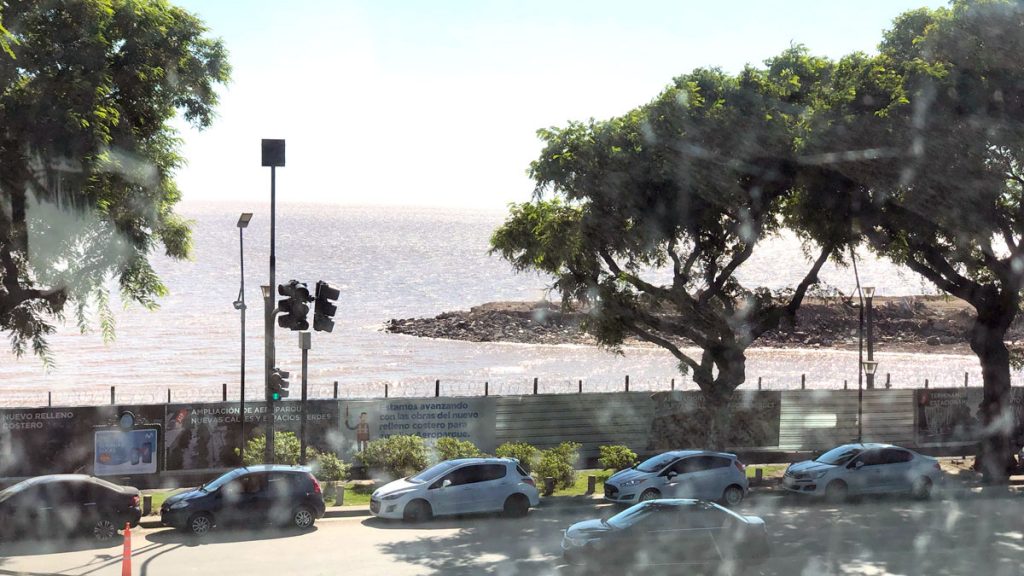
pixel 839 456
pixel 718 462
pixel 433 472
pixel 870 458
pixel 494 471
pixel 696 517
pixel 895 456
pixel 520 470
pixel 656 463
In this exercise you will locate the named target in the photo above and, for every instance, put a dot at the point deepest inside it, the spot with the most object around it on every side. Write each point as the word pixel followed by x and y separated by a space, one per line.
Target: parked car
pixel 63 504
pixel 466 485
pixel 864 469
pixel 668 532
pixel 251 496
pixel 681 474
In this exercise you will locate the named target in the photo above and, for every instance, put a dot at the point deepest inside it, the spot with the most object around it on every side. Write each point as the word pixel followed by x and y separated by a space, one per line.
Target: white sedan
pixel 854 469
pixel 464 486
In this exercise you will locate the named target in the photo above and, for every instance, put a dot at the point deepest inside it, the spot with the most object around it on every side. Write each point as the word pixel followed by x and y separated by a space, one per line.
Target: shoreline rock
pixel 921 324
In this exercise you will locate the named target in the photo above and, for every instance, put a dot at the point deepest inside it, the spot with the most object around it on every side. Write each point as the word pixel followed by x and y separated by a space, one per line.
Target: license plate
pixel 788 482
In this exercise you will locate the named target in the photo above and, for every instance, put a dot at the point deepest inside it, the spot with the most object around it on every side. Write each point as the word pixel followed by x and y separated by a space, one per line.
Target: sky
pixel 398 102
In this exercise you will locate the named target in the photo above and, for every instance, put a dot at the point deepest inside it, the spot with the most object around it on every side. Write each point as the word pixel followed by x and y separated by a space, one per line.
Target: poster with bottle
pixel 120 452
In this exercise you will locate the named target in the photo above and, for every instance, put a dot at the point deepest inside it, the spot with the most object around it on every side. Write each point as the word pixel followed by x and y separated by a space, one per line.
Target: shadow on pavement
pixel 874 535
pixel 78 543
pixel 224 535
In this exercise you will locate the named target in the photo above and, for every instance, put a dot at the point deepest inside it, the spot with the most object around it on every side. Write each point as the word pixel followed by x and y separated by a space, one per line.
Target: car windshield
pixel 221 480
pixel 839 456
pixel 632 515
pixel 433 472
pixel 656 463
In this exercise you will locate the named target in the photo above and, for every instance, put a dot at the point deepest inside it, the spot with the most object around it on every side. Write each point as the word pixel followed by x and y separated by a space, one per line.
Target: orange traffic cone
pixel 126 556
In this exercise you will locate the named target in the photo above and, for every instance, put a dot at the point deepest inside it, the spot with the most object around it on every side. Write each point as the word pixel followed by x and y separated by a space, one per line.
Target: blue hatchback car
pixel 249 496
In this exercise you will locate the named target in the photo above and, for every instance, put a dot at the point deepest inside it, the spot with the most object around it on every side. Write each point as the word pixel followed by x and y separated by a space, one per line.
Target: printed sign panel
pixel 123 452
pixel 201 436
pixel 950 415
pixel 362 421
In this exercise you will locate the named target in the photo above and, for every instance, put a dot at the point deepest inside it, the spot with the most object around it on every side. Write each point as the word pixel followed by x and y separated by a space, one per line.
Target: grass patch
pixel 159 497
pixel 579 488
pixel 768 470
pixel 355 495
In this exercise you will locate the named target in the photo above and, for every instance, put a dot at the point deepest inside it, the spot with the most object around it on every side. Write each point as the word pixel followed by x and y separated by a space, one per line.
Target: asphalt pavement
pixel 976 533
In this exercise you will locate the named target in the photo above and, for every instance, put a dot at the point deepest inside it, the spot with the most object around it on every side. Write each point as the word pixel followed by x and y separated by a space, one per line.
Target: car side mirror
pixel 672 474
pixel 446 483
pixel 857 465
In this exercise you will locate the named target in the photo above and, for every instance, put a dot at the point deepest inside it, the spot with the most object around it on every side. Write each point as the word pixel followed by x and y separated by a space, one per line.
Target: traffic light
pixel 278 384
pixel 324 309
pixel 293 308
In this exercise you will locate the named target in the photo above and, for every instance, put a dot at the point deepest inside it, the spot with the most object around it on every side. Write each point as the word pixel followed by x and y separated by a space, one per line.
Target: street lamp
pixel 869 367
pixel 243 222
pixel 869 293
pixel 272 155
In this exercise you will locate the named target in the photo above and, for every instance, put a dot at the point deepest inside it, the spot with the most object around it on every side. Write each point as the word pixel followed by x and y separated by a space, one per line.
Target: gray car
pixel 854 469
pixel 702 474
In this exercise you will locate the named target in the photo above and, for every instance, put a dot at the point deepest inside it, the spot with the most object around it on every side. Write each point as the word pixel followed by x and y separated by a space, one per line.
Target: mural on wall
pixel 680 420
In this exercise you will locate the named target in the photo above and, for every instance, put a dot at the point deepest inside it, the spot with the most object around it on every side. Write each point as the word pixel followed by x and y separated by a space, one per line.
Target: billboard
pixel 125 452
pixel 361 421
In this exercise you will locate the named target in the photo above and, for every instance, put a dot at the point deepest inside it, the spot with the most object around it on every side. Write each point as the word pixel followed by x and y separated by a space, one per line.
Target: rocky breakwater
pixel 910 323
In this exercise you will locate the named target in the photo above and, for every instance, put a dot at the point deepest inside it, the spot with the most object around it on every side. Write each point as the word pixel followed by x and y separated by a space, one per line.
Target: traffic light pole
pixel 305 342
pixel 273 154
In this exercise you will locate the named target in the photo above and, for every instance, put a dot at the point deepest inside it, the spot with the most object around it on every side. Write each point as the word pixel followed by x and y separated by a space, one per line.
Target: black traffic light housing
pixel 278 385
pixel 293 308
pixel 325 309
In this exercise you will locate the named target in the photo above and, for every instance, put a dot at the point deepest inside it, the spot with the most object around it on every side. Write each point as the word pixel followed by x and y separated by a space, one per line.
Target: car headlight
pixel 179 505
pixel 578 542
pixel 816 475
pixel 395 495
pixel 629 483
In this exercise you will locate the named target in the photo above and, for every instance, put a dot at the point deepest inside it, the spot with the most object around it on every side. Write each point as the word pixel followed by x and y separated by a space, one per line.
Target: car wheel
pixel 922 489
pixel 732 496
pixel 104 530
pixel 837 491
pixel 303 518
pixel 649 494
pixel 417 511
pixel 516 506
pixel 200 524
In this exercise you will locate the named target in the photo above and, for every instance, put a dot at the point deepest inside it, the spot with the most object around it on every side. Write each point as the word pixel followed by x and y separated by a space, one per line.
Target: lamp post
pixel 869 293
pixel 869 367
pixel 272 156
pixel 243 222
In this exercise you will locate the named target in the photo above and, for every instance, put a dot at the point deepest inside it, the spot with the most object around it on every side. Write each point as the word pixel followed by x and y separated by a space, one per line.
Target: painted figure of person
pixel 362 429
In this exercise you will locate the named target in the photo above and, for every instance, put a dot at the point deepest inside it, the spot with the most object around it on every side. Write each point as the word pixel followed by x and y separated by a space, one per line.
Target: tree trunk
pixel 996 414
pixel 731 364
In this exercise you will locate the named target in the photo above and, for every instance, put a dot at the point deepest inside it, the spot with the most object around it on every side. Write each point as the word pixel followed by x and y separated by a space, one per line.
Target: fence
pixel 204 436
pixel 437 388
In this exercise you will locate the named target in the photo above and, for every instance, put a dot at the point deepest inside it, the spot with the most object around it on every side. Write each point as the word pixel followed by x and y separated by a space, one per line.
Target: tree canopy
pixel 927 137
pixel 688 183
pixel 88 89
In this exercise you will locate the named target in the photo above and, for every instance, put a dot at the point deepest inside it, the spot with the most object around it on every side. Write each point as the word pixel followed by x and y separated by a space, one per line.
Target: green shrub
pixel 286 449
pixel 328 467
pixel 559 463
pixel 399 456
pixel 521 451
pixel 616 456
pixel 452 448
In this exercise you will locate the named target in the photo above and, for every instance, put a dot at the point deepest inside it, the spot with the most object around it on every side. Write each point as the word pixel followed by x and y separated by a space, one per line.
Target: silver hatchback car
pixel 864 469
pixel 700 474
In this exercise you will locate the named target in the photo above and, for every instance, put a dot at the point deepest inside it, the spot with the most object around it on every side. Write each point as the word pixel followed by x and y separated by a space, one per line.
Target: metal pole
pixel 268 305
pixel 305 342
pixel 335 389
pixel 241 372
pixel 112 396
pixel 860 350
pixel 870 381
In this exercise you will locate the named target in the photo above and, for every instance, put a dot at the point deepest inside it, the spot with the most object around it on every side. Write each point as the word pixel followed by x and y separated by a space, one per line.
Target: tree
pixel 927 140
pixel 87 92
pixel 689 183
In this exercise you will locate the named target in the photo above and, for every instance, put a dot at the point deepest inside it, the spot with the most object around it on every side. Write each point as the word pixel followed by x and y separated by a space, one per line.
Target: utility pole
pixel 272 156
